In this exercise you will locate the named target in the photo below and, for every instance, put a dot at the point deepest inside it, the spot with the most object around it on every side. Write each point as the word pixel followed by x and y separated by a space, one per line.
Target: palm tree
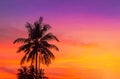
pixel 31 72
pixel 37 44
pixel 41 74
pixel 23 73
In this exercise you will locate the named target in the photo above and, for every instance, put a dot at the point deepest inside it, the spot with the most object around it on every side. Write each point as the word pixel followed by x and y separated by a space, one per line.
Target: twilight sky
pixel 89 31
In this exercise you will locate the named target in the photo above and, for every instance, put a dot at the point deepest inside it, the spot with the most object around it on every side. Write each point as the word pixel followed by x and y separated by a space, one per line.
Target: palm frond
pixel 40 20
pixel 37 30
pixel 45 28
pixel 48 53
pixel 49 36
pixel 30 29
pixel 23 59
pixel 47 60
pixel 25 47
pixel 47 56
pixel 32 59
pixel 51 46
pixel 20 40
pixel 31 54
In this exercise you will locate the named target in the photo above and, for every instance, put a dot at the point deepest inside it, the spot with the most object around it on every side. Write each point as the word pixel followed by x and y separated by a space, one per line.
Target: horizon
pixel 88 30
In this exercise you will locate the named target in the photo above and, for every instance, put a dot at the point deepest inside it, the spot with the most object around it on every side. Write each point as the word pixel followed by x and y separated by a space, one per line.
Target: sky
pixel 88 30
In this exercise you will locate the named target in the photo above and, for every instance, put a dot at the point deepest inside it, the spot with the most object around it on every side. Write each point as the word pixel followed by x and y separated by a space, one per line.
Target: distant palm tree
pixel 31 72
pixel 22 73
pixel 37 44
pixel 41 74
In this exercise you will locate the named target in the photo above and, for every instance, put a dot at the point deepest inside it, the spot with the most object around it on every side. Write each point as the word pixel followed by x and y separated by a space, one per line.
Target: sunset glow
pixel 88 30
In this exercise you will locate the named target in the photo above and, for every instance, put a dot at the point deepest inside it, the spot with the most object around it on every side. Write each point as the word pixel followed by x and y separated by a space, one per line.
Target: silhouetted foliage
pixel 30 73
pixel 23 73
pixel 37 45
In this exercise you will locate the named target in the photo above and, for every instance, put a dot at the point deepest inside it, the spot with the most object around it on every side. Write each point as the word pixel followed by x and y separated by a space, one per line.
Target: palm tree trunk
pixel 40 66
pixel 36 66
pixel 39 62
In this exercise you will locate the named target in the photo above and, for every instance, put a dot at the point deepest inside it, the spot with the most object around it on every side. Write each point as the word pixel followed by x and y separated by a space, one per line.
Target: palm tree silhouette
pixel 41 74
pixel 23 73
pixel 31 72
pixel 37 45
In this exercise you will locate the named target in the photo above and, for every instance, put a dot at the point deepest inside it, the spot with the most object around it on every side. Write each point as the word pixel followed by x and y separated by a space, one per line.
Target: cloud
pixel 9 32
pixel 76 73
pixel 7 70
pixel 80 43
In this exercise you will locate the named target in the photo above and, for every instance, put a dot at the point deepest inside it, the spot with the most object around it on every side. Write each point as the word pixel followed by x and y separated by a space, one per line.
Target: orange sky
pixel 96 56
